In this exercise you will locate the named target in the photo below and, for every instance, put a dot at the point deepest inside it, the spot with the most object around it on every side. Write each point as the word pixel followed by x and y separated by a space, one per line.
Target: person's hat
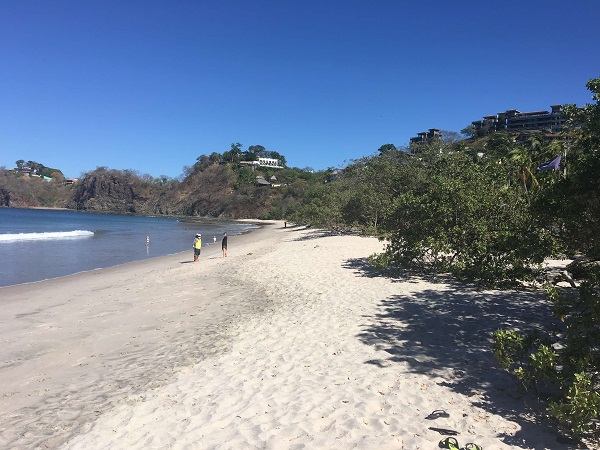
pixel 197 234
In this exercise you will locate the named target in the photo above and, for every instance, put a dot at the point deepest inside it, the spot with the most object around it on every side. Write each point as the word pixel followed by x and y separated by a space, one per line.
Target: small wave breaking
pixel 51 235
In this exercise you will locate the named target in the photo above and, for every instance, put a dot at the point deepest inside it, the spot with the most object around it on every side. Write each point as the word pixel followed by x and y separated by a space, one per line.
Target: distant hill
pixel 210 189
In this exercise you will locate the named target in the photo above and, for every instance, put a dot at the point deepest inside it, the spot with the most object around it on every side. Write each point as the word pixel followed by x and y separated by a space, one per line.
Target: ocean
pixel 39 244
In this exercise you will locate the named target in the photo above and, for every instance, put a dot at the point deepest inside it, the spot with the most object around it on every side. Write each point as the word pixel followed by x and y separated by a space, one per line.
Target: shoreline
pixel 291 341
pixel 208 244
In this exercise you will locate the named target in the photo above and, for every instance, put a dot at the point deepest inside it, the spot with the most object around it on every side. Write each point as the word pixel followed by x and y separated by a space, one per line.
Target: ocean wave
pixel 77 234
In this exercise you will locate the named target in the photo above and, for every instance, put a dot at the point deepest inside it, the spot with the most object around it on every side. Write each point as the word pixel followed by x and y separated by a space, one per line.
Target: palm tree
pixel 521 158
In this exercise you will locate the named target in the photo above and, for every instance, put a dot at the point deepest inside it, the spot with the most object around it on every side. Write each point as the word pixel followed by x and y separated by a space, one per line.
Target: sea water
pixel 37 244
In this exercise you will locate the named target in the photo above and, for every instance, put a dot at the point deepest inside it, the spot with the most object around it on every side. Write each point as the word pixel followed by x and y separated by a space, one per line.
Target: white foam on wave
pixel 76 234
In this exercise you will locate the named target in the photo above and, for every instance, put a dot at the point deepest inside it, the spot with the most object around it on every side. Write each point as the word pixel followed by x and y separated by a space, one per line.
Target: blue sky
pixel 150 85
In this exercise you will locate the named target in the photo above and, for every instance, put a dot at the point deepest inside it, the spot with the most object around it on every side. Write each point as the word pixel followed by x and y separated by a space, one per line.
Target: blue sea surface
pixel 38 244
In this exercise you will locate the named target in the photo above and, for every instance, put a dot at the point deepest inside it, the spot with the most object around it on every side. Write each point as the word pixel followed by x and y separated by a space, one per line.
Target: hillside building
pixel 263 162
pixel 513 120
pixel 426 136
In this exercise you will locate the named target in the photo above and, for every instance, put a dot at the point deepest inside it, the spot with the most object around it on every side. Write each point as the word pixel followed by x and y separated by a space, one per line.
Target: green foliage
pixel 580 406
pixel 320 207
pixel 572 204
pixel 463 218
pixel 369 185
pixel 569 357
pixel 510 348
pixel 386 148
pixel 245 176
pixel 529 356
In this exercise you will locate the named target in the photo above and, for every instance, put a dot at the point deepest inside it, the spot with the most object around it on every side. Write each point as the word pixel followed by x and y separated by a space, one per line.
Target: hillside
pixel 210 189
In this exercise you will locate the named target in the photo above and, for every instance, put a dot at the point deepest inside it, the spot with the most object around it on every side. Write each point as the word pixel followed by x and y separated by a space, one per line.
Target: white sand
pixel 291 342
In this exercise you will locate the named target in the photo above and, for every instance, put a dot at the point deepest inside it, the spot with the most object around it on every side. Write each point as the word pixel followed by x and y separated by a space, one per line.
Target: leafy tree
pixel 371 183
pixel 288 175
pixel 204 161
pixel 386 148
pixel 521 158
pixel 450 137
pixel 498 146
pixel 233 155
pixel 254 152
pixel 468 131
pixel 461 217
pixel 320 206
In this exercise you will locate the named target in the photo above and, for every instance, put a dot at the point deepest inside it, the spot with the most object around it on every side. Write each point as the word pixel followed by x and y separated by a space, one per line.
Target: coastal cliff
pixel 108 191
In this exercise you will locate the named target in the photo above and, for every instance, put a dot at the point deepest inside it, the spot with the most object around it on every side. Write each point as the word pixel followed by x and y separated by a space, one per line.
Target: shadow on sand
pixel 451 326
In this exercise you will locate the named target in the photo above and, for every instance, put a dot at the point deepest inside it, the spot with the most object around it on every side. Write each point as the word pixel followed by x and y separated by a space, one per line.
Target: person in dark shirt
pixel 224 245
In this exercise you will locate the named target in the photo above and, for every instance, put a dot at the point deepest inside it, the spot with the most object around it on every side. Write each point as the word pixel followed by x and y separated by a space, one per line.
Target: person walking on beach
pixel 224 245
pixel 197 246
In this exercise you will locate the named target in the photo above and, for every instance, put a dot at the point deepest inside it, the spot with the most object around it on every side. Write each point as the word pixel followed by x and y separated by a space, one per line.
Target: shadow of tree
pixel 310 235
pixel 450 327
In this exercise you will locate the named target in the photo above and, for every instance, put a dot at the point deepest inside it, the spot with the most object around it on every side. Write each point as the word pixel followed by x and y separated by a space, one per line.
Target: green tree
pixel 235 154
pixel 371 183
pixel 462 217
pixel 571 205
pixel 468 131
pixel 520 157
pixel 254 152
pixel 498 146
pixel 386 148
pixel 320 206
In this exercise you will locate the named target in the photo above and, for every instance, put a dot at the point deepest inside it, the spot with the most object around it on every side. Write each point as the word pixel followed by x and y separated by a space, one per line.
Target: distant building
pixel 513 120
pixel 274 182
pixel 263 162
pixel 426 136
pixel 260 181
pixel 270 162
pixel 335 175
pixel 25 170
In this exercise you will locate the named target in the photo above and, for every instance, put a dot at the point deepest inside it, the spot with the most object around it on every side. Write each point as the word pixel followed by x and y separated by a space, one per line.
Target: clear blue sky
pixel 150 85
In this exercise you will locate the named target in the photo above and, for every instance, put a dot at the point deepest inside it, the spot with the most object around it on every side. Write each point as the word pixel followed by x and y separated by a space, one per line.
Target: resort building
pixel 522 124
pixel 270 162
pixel 263 162
pixel 426 136
pixel 514 120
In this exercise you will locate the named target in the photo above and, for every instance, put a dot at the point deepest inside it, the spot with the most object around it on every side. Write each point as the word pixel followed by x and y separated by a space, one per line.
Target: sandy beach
pixel 291 342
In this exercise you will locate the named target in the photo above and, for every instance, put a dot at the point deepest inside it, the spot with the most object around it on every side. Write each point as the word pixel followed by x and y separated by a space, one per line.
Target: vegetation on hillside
pixel 216 185
pixel 19 190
